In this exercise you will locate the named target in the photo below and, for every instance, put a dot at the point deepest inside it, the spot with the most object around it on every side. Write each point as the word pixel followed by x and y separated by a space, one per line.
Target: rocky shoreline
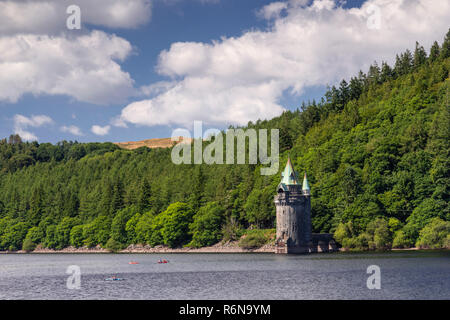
pixel 229 247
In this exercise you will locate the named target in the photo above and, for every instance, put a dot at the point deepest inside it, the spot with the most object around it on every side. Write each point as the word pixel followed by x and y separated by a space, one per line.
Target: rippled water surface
pixel 404 275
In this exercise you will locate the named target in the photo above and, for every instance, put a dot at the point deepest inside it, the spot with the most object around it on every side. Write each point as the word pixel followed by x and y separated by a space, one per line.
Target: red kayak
pixel 163 261
pixel 133 262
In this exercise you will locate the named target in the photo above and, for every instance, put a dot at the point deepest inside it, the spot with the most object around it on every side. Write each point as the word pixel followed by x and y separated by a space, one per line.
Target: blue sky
pixel 254 40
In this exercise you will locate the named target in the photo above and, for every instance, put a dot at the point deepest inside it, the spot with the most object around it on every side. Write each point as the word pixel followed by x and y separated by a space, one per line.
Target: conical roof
pixel 305 186
pixel 289 177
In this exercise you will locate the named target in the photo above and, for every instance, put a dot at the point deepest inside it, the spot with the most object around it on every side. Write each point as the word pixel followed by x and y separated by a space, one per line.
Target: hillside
pixel 376 151
pixel 150 143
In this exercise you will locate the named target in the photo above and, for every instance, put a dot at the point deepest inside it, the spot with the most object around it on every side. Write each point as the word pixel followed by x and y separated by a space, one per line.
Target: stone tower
pixel 293 207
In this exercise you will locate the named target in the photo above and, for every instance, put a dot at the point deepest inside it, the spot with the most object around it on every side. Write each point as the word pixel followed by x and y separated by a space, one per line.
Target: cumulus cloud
pixel 72 130
pixel 84 67
pixel 100 131
pixel 22 123
pixel 307 43
pixel 40 56
pixel 49 16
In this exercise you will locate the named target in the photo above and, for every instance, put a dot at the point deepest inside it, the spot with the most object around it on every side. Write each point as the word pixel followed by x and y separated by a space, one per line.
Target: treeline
pixel 376 150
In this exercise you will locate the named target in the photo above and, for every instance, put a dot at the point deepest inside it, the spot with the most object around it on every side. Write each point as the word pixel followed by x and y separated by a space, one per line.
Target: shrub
pixel 379 230
pixel 231 230
pixel 434 235
pixel 256 238
pixel 130 228
pixel 205 229
pixel 401 240
pixel 447 242
pixel 363 241
pixel 175 224
pixel 113 245
pixel 76 236
pixel 62 232
pixel 97 231
pixel 343 231
pixel 119 222
pixel 32 239
pixel 143 228
pixel 28 245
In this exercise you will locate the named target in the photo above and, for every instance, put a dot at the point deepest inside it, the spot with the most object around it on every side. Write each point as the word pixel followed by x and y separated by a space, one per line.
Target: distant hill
pixel 150 143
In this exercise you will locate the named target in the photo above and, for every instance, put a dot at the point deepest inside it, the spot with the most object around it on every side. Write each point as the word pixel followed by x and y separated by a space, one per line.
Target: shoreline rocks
pixel 228 247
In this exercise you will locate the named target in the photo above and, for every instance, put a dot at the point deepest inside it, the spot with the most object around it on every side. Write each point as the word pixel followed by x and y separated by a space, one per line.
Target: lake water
pixel 404 275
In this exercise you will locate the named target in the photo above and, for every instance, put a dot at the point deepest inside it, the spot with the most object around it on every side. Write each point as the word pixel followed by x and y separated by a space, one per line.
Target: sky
pixel 140 69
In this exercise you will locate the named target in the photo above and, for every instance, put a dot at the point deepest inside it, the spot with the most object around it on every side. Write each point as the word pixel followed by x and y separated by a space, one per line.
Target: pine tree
pixel 386 72
pixel 118 195
pixel 145 197
pixel 420 56
pixel 434 51
pixel 196 199
pixel 445 51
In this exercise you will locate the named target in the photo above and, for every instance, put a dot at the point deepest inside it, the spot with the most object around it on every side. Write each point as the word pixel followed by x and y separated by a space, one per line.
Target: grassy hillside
pixel 376 150
pixel 149 143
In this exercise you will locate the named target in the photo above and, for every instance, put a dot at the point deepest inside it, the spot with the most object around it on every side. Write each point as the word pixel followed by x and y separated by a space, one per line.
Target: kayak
pixel 114 279
pixel 133 262
pixel 163 261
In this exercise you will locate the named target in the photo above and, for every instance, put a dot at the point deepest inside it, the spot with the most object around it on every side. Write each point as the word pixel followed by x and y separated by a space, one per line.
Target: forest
pixel 375 148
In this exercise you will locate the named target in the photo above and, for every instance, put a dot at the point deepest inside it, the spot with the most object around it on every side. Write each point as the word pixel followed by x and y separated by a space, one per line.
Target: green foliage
pixel 175 224
pixel 144 229
pixel 434 235
pixel 382 239
pixel 50 237
pixel 423 214
pixel 343 231
pixel 119 223
pixel 32 239
pixel 256 238
pixel 62 232
pixel 76 236
pixel 130 229
pixel 35 234
pixel 231 230
pixel 377 236
pixel 97 231
pixel 28 245
pixel 401 241
pixel 259 208
pixel 113 245
pixel 206 227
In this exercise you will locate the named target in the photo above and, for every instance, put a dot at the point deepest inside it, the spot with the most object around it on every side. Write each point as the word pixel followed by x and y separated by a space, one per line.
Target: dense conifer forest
pixel 376 150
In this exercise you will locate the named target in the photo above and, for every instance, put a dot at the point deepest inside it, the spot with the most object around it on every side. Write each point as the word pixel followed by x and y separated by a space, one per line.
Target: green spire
pixel 305 187
pixel 289 177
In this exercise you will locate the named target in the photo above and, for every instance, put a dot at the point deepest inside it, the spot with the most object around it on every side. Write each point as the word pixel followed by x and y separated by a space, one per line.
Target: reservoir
pixel 403 275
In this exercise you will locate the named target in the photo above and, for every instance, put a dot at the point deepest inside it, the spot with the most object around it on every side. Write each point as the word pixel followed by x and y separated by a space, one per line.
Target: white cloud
pixel 238 79
pixel 21 124
pixel 118 122
pixel 100 131
pixel 85 67
pixel 49 16
pixel 272 10
pixel 72 130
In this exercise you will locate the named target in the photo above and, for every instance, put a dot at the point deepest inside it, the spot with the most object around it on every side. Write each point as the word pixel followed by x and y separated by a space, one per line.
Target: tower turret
pixel 305 187
pixel 293 208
